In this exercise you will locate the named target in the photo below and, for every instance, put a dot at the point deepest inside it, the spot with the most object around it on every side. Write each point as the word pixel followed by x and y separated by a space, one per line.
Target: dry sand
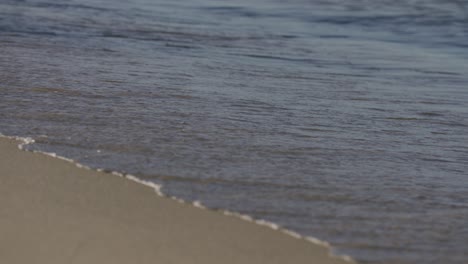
pixel 52 212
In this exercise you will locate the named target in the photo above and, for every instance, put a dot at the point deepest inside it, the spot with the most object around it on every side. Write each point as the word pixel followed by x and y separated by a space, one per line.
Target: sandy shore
pixel 54 212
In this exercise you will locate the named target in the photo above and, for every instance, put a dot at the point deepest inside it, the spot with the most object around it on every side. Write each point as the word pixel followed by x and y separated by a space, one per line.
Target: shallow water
pixel 342 120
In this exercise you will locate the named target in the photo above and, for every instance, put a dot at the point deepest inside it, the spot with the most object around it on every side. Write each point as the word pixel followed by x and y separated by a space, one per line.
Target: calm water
pixel 342 120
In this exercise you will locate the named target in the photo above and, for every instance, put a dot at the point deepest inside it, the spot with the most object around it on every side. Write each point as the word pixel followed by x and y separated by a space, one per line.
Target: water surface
pixel 342 120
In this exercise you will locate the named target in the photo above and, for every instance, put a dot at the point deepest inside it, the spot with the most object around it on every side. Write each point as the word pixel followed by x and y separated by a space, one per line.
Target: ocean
pixel 346 121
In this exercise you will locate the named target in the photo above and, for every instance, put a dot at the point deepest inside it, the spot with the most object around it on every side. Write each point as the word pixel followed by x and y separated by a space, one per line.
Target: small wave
pixel 158 190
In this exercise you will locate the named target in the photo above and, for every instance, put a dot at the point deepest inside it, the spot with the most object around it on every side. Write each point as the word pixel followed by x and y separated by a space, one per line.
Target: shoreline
pixel 58 211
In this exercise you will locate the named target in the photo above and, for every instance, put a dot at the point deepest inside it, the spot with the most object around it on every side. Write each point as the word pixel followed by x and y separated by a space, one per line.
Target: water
pixel 342 120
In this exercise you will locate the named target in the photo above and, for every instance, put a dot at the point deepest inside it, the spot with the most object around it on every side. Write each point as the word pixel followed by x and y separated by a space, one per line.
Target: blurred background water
pixel 342 120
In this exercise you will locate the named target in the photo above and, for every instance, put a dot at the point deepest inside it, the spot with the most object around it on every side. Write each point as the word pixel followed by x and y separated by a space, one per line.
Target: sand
pixel 54 212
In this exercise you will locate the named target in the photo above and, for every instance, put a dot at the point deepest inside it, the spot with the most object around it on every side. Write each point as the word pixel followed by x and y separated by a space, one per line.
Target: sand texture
pixel 53 212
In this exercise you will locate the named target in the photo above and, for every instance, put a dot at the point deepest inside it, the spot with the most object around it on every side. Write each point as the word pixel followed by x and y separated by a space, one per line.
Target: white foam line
pixel 293 234
pixel 24 140
pixel 54 155
pixel 277 227
pixel 199 205
pixel 268 224
pixel 157 188
pixel 178 199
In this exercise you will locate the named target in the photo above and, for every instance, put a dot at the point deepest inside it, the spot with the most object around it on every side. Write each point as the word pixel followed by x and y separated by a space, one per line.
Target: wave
pixel 24 141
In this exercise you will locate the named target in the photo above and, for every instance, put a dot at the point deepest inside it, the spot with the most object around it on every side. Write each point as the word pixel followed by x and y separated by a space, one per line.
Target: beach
pixel 54 212
pixel 247 131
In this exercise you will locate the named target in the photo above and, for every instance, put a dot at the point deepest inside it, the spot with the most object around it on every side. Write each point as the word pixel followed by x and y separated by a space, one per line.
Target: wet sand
pixel 54 212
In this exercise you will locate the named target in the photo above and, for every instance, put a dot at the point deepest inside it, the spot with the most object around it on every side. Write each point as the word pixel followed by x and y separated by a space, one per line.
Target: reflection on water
pixel 343 120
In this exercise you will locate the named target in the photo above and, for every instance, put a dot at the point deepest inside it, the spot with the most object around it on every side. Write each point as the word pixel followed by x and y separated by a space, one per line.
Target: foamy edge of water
pixel 158 190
